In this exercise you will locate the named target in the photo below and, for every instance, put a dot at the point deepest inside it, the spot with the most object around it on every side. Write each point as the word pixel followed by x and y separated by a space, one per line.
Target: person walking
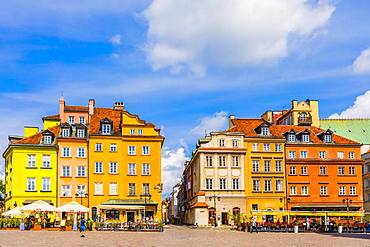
pixel 82 228
pixel 254 225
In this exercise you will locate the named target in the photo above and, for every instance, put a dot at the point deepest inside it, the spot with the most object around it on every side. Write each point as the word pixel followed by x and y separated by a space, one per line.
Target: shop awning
pixel 126 202
pixel 125 207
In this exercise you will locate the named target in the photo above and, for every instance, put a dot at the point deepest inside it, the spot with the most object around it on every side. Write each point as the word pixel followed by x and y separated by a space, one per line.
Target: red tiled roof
pixel 99 114
pixel 52 117
pixel 199 205
pixel 36 139
pixel 72 108
pixel 248 126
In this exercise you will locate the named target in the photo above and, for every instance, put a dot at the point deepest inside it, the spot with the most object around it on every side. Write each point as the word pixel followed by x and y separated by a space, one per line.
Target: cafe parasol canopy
pixel 14 213
pixel 73 207
pixel 38 206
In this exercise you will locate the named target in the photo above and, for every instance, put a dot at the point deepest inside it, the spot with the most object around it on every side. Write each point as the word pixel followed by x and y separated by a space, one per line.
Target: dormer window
pixel 328 138
pixel 47 139
pixel 305 138
pixel 80 133
pixel 291 138
pixel 65 132
pixel 106 129
pixel 265 131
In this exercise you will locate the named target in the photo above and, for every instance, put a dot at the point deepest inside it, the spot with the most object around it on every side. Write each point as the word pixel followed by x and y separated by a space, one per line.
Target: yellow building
pixel 31 167
pixel 124 166
pixel 264 169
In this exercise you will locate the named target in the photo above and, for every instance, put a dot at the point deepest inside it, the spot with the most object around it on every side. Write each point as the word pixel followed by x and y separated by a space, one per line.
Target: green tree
pixel 2 190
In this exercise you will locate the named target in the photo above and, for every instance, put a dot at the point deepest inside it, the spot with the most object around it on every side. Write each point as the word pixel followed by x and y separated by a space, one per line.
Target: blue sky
pixel 183 65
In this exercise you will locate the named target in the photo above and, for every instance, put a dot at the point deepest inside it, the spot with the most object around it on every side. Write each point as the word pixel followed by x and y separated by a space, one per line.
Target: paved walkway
pixel 179 236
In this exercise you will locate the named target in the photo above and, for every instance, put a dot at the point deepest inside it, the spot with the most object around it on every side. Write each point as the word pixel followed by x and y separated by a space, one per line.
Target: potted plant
pixel 340 227
pixel 296 226
pixel 68 225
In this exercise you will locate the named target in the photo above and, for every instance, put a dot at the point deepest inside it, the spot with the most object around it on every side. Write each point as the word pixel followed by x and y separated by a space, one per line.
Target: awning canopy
pixel 38 206
pixel 72 207
pixel 125 207
pixel 138 202
pixel 14 213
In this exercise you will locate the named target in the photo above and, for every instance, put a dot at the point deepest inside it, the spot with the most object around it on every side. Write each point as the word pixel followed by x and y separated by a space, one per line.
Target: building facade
pixel 216 189
pixel 366 180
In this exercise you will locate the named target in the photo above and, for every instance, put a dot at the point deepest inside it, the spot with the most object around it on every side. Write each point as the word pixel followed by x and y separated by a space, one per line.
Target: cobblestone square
pixel 180 236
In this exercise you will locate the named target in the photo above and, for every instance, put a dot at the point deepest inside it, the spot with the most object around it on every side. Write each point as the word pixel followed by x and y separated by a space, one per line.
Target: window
pixel 81 171
pixel 304 190
pixel 31 162
pixel 305 138
pixel 66 190
pixel 267 185
pixel 235 160
pixel 81 190
pixel 98 167
pixel 98 189
pixel 322 154
pixel 31 184
pixel 46 161
pixel 352 170
pixel 256 185
pixel 235 183
pixel 266 147
pixel 131 150
pixel 221 142
pixel 235 143
pixel 303 170
pixel 80 133
pixel 323 190
pixel 209 161
pixel 146 189
pixel 342 190
pixel 66 171
pixel 303 154
pixel 113 167
pixel 279 185
pixel 113 147
pixel 255 165
pixel 291 138
pixel 47 139
pixel 132 132
pixel 328 138
pixel 222 183
pixel 140 132
pixel 71 119
pixel 66 152
pixel 98 147
pixel 291 154
pixel 341 170
pixel 113 189
pixel 340 155
pixel 132 189
pixel 65 132
pixel 267 165
pixel 254 207
pixel 45 184
pixel 106 129
pixel 265 131
pixel 81 152
pixel 209 183
pixel 146 169
pixel 132 169
pixel 351 155
pixel 222 160
pixel 292 170
pixel 278 167
pixel 352 190
pixel 293 190
pixel 145 150
pixel 255 147
pixel 322 170
pixel 278 148
pixel 82 120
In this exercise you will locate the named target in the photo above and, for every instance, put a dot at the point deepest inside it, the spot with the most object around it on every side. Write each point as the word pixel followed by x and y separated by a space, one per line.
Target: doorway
pixel 130 216
pixel 224 220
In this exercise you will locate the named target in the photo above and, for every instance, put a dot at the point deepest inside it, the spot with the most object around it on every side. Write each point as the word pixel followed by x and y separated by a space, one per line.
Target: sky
pixel 183 65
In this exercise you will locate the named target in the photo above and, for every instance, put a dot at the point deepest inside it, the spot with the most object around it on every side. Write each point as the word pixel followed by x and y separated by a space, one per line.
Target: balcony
pixel 305 120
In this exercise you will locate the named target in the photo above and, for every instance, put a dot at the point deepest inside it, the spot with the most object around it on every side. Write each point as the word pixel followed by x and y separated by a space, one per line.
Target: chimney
pixel 231 117
pixel 91 106
pixel 119 106
pixel 61 106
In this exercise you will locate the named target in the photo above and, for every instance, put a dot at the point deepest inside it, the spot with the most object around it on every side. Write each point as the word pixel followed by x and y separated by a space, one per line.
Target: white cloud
pixel 362 63
pixel 360 108
pixel 116 39
pixel 172 167
pixel 216 122
pixel 194 34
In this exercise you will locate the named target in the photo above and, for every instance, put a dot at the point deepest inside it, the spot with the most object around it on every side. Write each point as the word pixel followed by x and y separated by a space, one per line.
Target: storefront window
pixel 112 215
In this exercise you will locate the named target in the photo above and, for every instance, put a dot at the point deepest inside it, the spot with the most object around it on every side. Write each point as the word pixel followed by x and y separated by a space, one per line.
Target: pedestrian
pixel 254 225
pixel 82 228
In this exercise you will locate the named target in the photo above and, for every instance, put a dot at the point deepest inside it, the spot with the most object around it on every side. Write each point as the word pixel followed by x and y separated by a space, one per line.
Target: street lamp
pixel 347 202
pixel 81 194
pixel 145 196
pixel 214 205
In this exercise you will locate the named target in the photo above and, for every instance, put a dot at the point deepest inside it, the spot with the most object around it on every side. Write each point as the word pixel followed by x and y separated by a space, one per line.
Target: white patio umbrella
pixel 38 206
pixel 14 213
pixel 73 207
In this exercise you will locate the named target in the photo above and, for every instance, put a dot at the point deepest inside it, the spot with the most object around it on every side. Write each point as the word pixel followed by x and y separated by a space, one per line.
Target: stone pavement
pixel 179 236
